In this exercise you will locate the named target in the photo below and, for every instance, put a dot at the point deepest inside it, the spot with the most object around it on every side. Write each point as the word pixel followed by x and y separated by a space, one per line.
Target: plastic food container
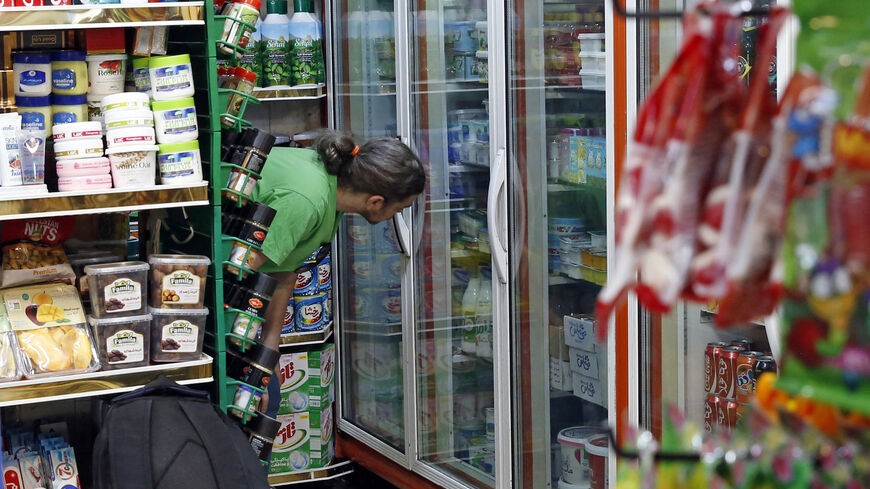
pixel 179 163
pixel 592 80
pixel 69 73
pixel 595 258
pixel 591 42
pixel 141 77
pixel 77 131
pixel 32 74
pixel 592 61
pixel 176 334
pixel 565 225
pixel 127 136
pixel 79 261
pixel 123 342
pixel 599 239
pixel 125 101
pixel 133 166
pixel 178 281
pixel 66 109
pixel 171 77
pixel 175 121
pixel 573 442
pixel 106 73
pixel 119 289
pixel 95 107
pixel 35 113
pixel 117 119
pixel 597 451
pixel 480 127
pixel 84 167
pixel 77 184
pixel 75 149
pixel 598 277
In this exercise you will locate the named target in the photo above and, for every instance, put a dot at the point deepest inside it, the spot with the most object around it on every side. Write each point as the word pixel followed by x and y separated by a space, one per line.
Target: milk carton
pixel 307 379
pixel 305 441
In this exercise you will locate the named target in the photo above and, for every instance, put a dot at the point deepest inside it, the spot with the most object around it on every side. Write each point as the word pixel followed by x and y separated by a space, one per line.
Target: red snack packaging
pixel 33 251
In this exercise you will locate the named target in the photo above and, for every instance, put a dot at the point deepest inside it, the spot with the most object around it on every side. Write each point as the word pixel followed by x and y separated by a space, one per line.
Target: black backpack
pixel 167 436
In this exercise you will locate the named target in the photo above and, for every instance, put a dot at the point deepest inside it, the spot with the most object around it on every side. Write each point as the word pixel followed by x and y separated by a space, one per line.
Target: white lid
pixel 598 445
pixel 135 97
pixel 116 115
pixel 65 131
pixel 82 143
pixel 568 485
pixel 144 318
pixel 591 35
pixel 120 267
pixel 105 57
pixel 159 259
pixel 177 312
pixel 134 148
pixel 577 436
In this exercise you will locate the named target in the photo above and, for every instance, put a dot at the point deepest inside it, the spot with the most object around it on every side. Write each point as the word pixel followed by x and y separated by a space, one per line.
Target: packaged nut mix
pixel 177 335
pixel 123 342
pixel 178 281
pixel 33 251
pixel 119 289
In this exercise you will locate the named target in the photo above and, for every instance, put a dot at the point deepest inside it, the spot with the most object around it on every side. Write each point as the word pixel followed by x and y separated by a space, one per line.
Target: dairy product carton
pixel 305 441
pixel 580 333
pixel 584 362
pixel 590 389
pixel 307 380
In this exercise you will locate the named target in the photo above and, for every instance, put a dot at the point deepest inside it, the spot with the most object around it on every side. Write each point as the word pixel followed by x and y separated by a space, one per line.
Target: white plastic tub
pixel 133 166
pixel 130 136
pixel 592 61
pixel 126 101
pixel 106 73
pixel 179 163
pixel 175 121
pixel 591 42
pixel 83 168
pixel 128 118
pixel 90 182
pixel 75 149
pixel 171 77
pixel 77 131
pixel 592 80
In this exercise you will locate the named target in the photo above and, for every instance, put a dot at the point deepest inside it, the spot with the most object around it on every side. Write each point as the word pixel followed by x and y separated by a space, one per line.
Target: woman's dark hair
pixel 381 166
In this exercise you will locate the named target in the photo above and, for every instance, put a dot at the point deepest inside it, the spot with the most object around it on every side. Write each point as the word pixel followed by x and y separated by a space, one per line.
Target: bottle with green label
pixel 252 60
pixel 275 44
pixel 306 49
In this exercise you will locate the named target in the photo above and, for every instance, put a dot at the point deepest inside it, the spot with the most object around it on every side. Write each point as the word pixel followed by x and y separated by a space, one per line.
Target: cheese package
pixel 51 329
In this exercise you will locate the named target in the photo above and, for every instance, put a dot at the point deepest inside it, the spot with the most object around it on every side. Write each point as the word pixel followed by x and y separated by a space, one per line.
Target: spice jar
pixel 69 73
pixel 236 33
pixel 229 139
pixel 246 400
pixel 233 217
pixel 252 298
pixel 251 157
pixel 245 248
pixel 243 81
pixel 261 434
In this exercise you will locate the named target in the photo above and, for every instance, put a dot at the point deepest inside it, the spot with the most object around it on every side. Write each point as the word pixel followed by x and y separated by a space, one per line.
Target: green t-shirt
pixel 296 184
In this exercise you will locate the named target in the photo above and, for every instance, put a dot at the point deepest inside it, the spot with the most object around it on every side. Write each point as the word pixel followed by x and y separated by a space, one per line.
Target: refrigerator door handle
pixel 403 231
pixel 494 212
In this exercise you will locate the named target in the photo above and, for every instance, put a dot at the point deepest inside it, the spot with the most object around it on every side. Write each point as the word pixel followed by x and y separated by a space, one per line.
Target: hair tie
pixel 355 151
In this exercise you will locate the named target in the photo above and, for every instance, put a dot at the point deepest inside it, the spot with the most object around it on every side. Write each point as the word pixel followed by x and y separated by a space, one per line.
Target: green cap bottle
pixel 303 6
pixel 276 7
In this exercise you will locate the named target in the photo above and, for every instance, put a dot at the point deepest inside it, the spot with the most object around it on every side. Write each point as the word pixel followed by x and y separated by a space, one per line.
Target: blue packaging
pixel 324 274
pixel 306 280
pixel 310 312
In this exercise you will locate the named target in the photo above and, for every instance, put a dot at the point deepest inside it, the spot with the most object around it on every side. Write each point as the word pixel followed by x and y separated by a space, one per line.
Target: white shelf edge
pixel 102 25
pixel 103 192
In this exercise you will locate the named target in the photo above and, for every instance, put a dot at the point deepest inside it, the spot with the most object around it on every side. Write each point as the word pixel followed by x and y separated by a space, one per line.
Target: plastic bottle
pixel 253 59
pixel 276 36
pixel 469 312
pixel 483 315
pixel 306 36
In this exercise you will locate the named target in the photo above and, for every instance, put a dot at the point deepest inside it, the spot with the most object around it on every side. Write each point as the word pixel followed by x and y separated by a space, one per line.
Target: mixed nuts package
pixel 33 251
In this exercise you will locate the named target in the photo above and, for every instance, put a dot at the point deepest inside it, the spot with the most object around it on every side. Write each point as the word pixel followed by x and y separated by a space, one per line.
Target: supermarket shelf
pixel 334 471
pixel 112 200
pixel 556 279
pixel 97 16
pixel 102 383
pixel 274 94
pixel 306 338
pixel 713 313
pixel 466 168
pixel 370 328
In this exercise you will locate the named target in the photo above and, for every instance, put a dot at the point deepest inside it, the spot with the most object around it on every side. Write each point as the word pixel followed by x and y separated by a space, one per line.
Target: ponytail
pixel 381 166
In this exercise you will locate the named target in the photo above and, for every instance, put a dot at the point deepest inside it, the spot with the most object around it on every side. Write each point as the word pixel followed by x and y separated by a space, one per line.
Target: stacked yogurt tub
pixel 130 139
pixel 78 149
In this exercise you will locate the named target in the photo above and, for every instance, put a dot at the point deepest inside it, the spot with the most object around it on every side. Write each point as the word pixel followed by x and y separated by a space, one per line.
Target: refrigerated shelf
pixel 98 16
pixel 274 94
pixel 307 338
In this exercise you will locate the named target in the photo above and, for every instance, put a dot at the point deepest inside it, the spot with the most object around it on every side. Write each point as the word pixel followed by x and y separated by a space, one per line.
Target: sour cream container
pixel 133 166
pixel 77 130
pixel 118 119
pixel 175 121
pixel 88 182
pixel 127 136
pixel 78 148
pixel 32 74
pixel 84 167
pixel 179 163
pixel 125 101
pixel 106 73
pixel 171 77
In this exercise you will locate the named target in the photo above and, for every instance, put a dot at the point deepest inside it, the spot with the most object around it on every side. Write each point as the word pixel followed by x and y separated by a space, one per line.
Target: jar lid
pixel 254 3
pixel 261 283
pixel 163 259
pixel 134 97
pixel 31 58
pixel 245 74
pixel 68 99
pixel 143 318
pixel 176 147
pixel 161 61
pixel 68 56
pixel 276 7
pixel 263 356
pixel 141 62
pixel 121 267
pixel 302 6
pixel 264 426
pixel 259 139
pixel 262 214
pixel 33 101
pixel 229 137
pixel 181 103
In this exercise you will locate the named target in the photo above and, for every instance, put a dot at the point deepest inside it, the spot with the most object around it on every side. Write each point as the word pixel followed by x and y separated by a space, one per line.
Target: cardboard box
pixel 585 363
pixel 305 441
pixel 561 377
pixel 580 333
pixel 590 389
pixel 307 380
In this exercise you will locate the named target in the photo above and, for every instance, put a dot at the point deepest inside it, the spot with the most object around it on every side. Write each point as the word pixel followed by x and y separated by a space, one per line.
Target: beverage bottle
pixel 483 316
pixel 276 38
pixel 469 311
pixel 306 45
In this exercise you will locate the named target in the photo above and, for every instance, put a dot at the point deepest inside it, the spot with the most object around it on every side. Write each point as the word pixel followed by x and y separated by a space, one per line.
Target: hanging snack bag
pixel 33 251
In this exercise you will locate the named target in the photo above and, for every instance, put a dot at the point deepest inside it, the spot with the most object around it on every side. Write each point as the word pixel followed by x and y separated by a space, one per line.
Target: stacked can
pixel 310 308
pixel 730 373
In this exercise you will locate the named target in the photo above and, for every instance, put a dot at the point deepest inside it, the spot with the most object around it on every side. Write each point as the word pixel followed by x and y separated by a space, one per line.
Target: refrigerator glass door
pixel 453 278
pixel 370 263
pixel 558 74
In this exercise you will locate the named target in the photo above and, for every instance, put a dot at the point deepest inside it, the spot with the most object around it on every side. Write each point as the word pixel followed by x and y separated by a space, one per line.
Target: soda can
pixel 711 360
pixel 289 323
pixel 726 372
pixel 309 313
pixel 763 363
pixel 306 281
pixel 324 274
pixel 726 413
pixel 745 375
pixel 711 407
pixel 741 343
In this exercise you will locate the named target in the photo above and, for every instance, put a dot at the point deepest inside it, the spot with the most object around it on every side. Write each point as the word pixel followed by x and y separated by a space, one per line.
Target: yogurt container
pixel 90 182
pixel 32 74
pixel 117 119
pixel 74 149
pixel 127 136
pixel 106 73
pixel 77 130
pixel 597 450
pixel 35 113
pixel 125 101
pixel 179 163
pixel 310 312
pixel 175 121
pixel 575 466
pixel 84 167
pixel 133 166
pixel 171 77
